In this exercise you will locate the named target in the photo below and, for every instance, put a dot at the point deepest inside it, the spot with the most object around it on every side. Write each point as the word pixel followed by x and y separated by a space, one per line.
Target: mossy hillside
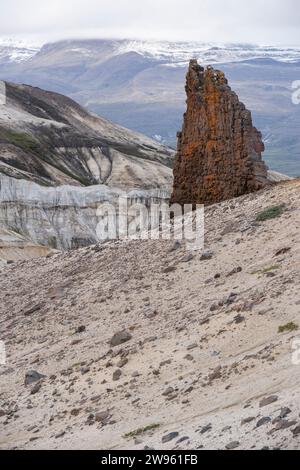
pixel 20 139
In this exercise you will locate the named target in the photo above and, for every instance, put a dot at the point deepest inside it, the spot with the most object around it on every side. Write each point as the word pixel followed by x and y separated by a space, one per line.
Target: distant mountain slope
pixel 59 163
pixel 138 84
pixel 48 138
pixel 15 51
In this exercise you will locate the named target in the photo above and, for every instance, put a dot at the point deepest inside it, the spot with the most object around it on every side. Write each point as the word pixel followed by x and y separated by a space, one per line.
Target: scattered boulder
pixel 268 401
pixel 207 255
pixel 80 329
pixel 232 445
pixel 33 376
pixel 247 420
pixel 122 363
pixel 169 437
pixel 169 269
pixel 206 429
pixel 120 338
pixel 296 431
pixel 187 258
pixel 263 421
pixel 284 412
pixel 30 310
pixel 102 416
pixel 284 424
pixel 168 391
pixel 117 375
pixel 36 388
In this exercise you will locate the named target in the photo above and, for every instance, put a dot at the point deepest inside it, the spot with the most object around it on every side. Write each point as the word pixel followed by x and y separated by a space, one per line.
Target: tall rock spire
pixel 219 150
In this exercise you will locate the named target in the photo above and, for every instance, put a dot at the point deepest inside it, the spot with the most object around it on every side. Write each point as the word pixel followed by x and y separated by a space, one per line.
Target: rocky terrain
pixel 219 154
pixel 58 163
pixel 148 345
pixel 138 84
pixel 48 138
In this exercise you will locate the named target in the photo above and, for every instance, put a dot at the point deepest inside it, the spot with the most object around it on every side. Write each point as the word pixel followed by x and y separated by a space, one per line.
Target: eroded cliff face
pixel 59 164
pixel 63 217
pixel 219 153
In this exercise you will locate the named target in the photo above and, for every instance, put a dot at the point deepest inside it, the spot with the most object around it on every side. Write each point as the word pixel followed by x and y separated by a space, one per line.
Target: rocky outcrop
pixel 59 164
pixel 48 138
pixel 63 217
pixel 219 150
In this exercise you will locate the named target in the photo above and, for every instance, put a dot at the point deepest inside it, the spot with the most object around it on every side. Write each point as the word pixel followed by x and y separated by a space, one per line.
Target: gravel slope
pixel 205 365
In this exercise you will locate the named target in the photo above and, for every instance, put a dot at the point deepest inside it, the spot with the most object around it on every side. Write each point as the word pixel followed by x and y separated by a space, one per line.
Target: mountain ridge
pixel 54 131
pixel 138 85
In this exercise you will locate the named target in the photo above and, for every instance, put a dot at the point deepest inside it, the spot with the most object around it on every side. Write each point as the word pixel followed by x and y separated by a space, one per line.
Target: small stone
pixel 263 421
pixel 268 401
pixel 247 420
pixel 235 271
pixel 239 319
pixel 120 338
pixel 165 363
pixel 80 329
pixel 284 412
pixel 187 258
pixel 182 439
pixel 122 363
pixel 33 376
pixel 207 255
pixel 284 424
pixel 117 375
pixel 176 246
pixel 168 391
pixel 192 346
pixel 206 429
pixel 296 431
pixel 36 388
pixel 189 357
pixel 151 313
pixel 216 374
pixel 169 269
pixel 232 445
pixel 102 416
pixel 32 310
pixel 169 437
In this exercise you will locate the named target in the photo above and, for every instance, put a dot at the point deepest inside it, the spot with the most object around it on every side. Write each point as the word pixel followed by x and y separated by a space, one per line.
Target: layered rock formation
pixel 59 164
pixel 63 217
pixel 219 150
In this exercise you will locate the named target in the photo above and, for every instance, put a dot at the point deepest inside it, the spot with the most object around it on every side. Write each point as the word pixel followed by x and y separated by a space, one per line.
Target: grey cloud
pixel 270 21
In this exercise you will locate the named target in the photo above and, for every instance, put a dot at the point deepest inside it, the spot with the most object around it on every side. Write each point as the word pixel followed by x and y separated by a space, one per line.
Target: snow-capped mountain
pixel 16 50
pixel 171 53
pixel 179 53
pixel 140 84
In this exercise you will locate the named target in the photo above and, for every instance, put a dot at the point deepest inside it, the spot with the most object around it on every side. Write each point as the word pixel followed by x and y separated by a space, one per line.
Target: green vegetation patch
pixel 140 431
pixel 19 139
pixel 288 328
pixel 270 213
pixel 266 270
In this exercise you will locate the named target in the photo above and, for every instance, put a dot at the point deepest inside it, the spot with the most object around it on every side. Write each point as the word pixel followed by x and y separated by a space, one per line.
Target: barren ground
pixel 205 355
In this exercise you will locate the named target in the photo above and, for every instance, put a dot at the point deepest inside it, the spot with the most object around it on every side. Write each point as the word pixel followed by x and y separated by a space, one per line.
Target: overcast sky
pixel 257 21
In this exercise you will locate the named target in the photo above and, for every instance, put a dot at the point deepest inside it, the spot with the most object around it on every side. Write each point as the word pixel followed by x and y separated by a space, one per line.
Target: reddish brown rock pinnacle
pixel 219 150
